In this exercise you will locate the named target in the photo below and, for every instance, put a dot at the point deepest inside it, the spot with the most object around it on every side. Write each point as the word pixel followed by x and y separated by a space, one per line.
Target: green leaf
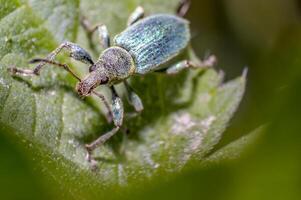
pixel 184 117
pixel 60 17
pixel 235 149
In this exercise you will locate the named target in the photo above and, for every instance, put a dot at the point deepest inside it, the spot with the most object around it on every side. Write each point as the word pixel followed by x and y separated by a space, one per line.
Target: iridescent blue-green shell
pixel 154 40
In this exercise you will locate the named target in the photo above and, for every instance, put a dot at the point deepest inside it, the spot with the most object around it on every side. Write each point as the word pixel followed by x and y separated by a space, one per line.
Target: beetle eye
pixel 105 80
pixel 92 68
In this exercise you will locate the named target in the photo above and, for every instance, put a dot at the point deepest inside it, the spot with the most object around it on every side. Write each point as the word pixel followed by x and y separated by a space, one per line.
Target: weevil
pixel 143 47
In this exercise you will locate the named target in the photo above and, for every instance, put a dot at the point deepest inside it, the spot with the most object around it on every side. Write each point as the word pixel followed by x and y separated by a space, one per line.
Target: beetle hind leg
pixel 185 64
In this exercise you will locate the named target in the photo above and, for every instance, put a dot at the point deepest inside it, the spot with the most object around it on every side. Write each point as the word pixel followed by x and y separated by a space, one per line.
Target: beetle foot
pixel 93 163
pixel 17 71
pixel 209 61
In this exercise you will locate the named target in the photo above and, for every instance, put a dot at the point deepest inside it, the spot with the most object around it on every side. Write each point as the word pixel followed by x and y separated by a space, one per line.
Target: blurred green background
pixel 265 36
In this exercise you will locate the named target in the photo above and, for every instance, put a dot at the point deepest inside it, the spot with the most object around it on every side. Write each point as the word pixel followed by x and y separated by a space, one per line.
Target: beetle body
pixel 154 40
pixel 141 48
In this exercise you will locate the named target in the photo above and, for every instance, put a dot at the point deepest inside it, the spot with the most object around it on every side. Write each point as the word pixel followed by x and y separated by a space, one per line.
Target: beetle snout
pixel 83 89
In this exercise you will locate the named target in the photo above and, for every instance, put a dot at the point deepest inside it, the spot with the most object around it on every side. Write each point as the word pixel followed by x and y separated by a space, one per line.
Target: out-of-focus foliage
pixel 269 170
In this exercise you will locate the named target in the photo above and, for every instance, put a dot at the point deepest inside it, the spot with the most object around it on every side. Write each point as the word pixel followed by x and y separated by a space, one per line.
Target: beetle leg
pixel 104 36
pixel 76 52
pixel 32 72
pixel 103 33
pixel 209 62
pixel 183 7
pixel 133 98
pixel 117 111
pixel 135 16
pixel 98 142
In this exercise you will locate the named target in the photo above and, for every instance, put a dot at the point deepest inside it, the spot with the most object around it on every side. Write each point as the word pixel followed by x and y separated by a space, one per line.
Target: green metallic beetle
pixel 145 46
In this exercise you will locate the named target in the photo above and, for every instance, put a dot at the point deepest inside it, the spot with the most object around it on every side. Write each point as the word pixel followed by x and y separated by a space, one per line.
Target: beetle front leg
pixel 135 16
pixel 98 142
pixel 209 62
pixel 103 33
pixel 117 114
pixel 76 52
pixel 133 98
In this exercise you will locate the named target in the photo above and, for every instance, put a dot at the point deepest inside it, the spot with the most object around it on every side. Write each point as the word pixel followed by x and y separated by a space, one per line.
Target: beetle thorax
pixel 117 64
